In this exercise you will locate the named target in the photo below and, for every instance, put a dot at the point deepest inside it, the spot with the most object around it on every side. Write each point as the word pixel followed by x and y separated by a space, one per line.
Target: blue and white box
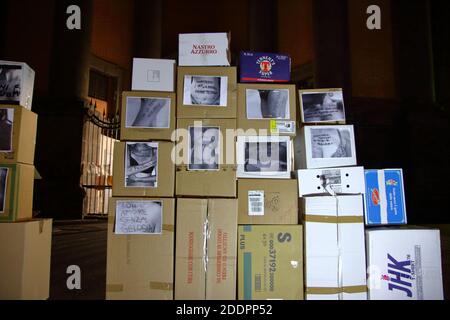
pixel 385 197
pixel 264 67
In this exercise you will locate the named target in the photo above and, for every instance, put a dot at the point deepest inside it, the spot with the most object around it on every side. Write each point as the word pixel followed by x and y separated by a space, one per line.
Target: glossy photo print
pixel 204 148
pixel 6 129
pixel 322 106
pixel 205 91
pixel 138 217
pixel 147 113
pixel 331 143
pixel 267 104
pixel 141 165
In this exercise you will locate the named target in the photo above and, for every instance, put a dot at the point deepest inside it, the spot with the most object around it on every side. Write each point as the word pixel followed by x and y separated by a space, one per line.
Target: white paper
pixel 201 91
pixel 203 49
pixel 267 104
pixel 317 107
pixel 204 148
pixel 147 112
pixel 141 165
pixel 138 217
pixel 153 75
pixel 256 203
pixel 16 83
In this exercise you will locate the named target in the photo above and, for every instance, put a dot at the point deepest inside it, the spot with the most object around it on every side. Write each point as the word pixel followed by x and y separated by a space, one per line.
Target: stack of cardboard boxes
pixel 25 244
pixel 270 259
pixel 141 220
pixel 206 228
pixel 331 203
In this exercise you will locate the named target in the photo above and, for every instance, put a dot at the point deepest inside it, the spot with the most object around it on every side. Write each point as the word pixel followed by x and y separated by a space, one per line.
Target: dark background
pixel 395 80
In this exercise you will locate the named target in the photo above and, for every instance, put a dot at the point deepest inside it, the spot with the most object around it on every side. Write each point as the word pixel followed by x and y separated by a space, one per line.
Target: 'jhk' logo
pixel 400 276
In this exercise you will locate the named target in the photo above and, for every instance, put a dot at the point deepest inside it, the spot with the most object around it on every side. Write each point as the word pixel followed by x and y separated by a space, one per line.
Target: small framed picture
pixel 6 129
pixel 322 106
pixel 264 157
pixel 329 146
pixel 147 112
pixel 139 217
pixel 204 148
pixel 141 165
pixel 3 188
pixel 200 90
pixel 266 104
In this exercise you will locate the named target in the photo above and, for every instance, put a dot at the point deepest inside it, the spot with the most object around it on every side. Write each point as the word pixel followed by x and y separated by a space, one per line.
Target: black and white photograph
pixel 3 188
pixel 204 148
pixel 141 165
pixel 267 104
pixel 10 82
pixel 143 112
pixel 331 143
pixel 142 217
pixel 262 157
pixel 322 106
pixel 205 91
pixel 6 129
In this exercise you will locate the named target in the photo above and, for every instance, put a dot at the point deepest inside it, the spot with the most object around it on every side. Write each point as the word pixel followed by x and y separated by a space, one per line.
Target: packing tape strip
pixel 334 219
pixel 114 288
pixel 222 167
pixel 351 289
pixel 166 286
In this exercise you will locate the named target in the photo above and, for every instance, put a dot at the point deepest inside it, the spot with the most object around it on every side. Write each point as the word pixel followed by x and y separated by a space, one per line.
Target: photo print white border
pixel 129 99
pixel 150 144
pixel 302 93
pixel 118 227
pixel 240 155
pixel 315 163
pixel 247 106
pixel 218 149
pixel 187 101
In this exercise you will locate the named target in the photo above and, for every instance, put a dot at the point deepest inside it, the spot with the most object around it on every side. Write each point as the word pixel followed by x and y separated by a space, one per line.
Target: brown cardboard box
pixel 140 267
pixel 247 121
pixel 23 136
pixel 270 262
pixel 206 183
pixel 165 120
pixel 16 200
pixel 273 201
pixel 25 249
pixel 203 111
pixel 205 266
pixel 165 173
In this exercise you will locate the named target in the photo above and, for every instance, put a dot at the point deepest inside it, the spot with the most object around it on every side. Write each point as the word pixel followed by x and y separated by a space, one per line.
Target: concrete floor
pixel 83 243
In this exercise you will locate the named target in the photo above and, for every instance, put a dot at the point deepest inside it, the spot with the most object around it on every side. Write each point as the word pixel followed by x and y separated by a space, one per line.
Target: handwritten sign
pixel 138 217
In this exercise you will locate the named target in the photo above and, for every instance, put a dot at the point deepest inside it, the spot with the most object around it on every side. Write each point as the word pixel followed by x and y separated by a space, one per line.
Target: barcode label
pixel 258 283
pixel 279 127
pixel 256 203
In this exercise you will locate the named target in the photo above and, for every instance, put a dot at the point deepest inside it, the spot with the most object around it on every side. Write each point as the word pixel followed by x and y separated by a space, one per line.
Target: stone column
pixel 148 29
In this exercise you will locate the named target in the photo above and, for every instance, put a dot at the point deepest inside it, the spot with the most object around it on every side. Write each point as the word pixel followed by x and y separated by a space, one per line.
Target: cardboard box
pixel 16 84
pixel 148 116
pixel 206 92
pixel 17 134
pixel 140 267
pixel 206 246
pixel 151 175
pixel 267 201
pixel 322 106
pixel 206 160
pixel 326 147
pixel 270 263
pixel 385 197
pixel 264 157
pixel 16 192
pixel 404 264
pixel 25 248
pixel 204 49
pixel 264 67
pixel 153 75
pixel 349 180
pixel 335 257
pixel 268 107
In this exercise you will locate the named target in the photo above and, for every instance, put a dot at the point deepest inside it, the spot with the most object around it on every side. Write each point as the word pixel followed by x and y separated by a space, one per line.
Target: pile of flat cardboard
pixel 24 243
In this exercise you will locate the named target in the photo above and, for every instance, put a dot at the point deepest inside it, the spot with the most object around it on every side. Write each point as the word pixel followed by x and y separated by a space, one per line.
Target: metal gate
pixel 99 135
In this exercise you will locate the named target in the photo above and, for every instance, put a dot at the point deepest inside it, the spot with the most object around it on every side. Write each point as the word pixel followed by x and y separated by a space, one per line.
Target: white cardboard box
pixel 16 83
pixel 153 75
pixel 326 147
pixel 204 49
pixel 335 259
pixel 404 264
pixel 347 180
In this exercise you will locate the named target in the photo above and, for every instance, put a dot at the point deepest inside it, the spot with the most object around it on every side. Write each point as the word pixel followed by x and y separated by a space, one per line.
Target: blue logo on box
pixel 264 67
